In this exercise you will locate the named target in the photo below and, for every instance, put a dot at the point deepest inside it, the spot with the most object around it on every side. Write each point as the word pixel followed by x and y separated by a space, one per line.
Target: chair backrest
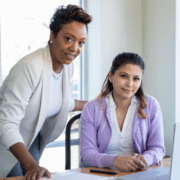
pixel 68 141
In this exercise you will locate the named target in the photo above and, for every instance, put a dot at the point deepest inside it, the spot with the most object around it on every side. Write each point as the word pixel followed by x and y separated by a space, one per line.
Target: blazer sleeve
pixel 16 92
pixel 90 153
pixel 155 142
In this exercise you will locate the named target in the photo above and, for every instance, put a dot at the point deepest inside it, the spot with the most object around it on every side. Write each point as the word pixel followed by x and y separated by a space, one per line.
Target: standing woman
pixel 122 128
pixel 34 98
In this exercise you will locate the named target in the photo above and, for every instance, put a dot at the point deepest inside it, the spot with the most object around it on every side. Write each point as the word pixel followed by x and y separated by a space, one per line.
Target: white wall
pixel 177 49
pixel 116 27
pixel 146 27
pixel 159 56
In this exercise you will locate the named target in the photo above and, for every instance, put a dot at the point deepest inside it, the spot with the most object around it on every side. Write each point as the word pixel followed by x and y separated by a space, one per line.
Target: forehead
pixel 131 69
pixel 75 28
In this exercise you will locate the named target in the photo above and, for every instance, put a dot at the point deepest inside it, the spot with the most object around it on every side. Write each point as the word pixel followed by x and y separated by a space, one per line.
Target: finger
pixel 139 156
pixel 25 177
pixel 47 173
pixel 145 162
pixel 132 163
pixel 33 177
pixel 139 162
pixel 136 166
pixel 29 177
pixel 134 154
pixel 131 168
pixel 39 175
pixel 143 169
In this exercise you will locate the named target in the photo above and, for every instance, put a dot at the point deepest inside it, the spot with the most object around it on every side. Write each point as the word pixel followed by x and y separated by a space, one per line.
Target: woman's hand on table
pixel 33 170
pixel 128 163
pixel 142 159
pixel 36 172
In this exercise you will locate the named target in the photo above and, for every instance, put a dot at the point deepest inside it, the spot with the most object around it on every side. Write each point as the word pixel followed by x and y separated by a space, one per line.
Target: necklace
pixel 57 76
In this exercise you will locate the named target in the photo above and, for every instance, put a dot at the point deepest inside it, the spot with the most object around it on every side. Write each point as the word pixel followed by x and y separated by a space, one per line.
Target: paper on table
pixel 75 176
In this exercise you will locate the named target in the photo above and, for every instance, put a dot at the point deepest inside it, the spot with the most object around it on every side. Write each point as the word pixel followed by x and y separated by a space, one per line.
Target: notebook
pixel 162 173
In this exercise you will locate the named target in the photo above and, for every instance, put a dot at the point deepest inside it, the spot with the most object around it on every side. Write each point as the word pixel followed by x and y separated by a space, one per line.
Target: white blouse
pixel 121 141
pixel 55 102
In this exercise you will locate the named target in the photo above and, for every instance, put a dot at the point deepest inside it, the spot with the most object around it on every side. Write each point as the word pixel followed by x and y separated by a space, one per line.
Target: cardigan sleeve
pixel 155 142
pixel 90 153
pixel 15 94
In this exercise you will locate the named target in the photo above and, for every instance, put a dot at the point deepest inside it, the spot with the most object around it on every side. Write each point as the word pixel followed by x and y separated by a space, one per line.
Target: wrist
pixel 30 165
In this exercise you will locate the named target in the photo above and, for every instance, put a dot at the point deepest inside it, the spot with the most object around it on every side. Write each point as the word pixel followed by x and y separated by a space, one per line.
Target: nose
pixel 129 82
pixel 74 47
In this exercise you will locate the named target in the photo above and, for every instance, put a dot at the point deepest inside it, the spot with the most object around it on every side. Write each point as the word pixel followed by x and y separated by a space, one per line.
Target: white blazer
pixel 24 100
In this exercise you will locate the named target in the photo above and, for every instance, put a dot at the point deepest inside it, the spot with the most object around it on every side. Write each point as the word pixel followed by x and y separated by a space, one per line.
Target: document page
pixel 76 176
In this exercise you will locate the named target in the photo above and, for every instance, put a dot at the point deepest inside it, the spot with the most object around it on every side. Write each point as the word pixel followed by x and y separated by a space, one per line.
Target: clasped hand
pixel 131 163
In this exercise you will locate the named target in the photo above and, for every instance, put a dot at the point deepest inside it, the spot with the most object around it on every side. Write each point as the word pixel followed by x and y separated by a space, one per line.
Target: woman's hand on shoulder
pixel 142 159
pixel 36 172
pixel 127 163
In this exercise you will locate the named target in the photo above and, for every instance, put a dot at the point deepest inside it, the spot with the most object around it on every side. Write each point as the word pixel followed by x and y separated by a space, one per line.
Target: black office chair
pixel 68 141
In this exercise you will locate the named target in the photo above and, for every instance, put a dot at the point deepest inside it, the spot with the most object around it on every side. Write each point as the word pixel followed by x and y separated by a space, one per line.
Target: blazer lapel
pixel 46 87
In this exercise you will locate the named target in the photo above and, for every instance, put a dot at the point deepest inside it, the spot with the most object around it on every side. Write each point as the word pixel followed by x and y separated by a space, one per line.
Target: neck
pixel 121 103
pixel 56 65
pixel 57 68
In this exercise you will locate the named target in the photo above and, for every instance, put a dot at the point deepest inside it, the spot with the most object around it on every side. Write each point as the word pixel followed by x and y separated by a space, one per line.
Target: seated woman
pixel 122 128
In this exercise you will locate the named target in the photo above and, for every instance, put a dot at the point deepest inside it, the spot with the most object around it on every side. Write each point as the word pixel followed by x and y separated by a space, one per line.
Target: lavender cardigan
pixel 96 131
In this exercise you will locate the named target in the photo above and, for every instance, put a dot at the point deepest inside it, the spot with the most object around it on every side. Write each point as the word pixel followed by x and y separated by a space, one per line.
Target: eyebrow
pixel 128 74
pixel 73 36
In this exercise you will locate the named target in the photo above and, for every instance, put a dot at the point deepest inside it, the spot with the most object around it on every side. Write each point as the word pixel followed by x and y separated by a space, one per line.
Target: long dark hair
pixel 121 60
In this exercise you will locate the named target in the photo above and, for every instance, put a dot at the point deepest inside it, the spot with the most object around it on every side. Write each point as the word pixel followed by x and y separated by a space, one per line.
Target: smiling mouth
pixel 127 90
pixel 70 56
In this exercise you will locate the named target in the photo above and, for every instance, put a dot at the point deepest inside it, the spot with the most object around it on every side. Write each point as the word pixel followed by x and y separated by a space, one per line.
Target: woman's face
pixel 67 45
pixel 126 81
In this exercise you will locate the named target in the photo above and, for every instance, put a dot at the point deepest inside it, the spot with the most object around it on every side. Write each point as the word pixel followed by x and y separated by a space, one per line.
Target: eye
pixel 81 43
pixel 137 79
pixel 123 76
pixel 68 39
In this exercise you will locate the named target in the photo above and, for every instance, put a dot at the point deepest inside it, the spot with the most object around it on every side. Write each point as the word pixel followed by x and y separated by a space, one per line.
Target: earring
pixel 50 42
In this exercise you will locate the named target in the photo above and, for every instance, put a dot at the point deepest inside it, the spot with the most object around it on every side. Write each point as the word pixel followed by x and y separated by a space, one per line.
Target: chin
pixel 128 96
pixel 67 62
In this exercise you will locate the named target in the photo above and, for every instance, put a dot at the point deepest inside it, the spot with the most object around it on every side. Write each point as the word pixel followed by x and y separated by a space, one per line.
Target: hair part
pixel 120 60
pixel 67 14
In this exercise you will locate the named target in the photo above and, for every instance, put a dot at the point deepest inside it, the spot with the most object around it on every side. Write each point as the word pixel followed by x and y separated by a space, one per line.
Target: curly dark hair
pixel 67 14
pixel 119 61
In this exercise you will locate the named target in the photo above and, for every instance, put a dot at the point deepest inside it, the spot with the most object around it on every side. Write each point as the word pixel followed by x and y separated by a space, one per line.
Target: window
pixel 24 29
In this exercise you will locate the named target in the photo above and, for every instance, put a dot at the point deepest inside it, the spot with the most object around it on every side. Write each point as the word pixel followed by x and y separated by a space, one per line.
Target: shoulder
pixel 29 68
pixel 94 112
pixel 153 107
pixel 93 104
pixel 152 101
pixel 32 61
